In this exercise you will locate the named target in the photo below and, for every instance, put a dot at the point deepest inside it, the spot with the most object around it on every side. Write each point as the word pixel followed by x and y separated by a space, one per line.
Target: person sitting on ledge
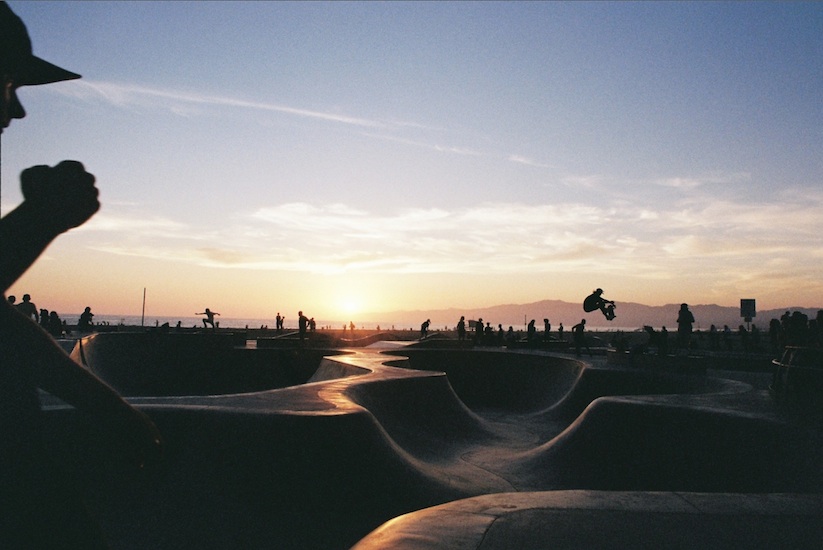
pixel 85 323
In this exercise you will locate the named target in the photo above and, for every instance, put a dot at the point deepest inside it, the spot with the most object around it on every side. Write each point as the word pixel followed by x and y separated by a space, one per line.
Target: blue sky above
pixel 422 155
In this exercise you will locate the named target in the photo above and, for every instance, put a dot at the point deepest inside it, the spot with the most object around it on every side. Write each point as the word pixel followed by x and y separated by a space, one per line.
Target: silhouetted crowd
pixel 50 321
pixel 792 329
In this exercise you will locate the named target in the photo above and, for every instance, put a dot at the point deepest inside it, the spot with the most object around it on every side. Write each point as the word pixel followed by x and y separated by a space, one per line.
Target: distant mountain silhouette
pixel 629 315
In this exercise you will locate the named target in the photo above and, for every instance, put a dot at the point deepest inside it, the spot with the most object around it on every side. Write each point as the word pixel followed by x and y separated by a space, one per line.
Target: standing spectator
pixel 531 332
pixel 478 332
pixel 302 325
pixel 579 337
pixel 685 320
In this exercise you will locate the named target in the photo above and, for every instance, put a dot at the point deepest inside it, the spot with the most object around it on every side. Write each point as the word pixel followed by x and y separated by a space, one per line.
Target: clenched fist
pixel 63 196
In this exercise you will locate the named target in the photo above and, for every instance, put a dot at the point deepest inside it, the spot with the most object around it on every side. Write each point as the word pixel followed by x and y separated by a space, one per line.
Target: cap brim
pixel 39 71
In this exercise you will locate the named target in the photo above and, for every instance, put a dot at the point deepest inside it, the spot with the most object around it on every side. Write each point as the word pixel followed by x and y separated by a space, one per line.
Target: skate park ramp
pixel 358 437
pixel 197 363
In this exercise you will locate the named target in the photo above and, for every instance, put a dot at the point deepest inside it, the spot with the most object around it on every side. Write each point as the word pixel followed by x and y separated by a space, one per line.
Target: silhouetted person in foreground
pixel 209 320
pixel 579 337
pixel 595 300
pixel 85 323
pixel 278 323
pixel 685 320
pixel 39 505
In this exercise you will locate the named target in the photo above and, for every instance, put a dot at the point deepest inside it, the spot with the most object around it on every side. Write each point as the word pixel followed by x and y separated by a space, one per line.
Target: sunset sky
pixel 348 157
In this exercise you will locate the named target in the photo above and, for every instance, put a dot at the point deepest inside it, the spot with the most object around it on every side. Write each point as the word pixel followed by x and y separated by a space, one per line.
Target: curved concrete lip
pixel 369 437
pixel 607 519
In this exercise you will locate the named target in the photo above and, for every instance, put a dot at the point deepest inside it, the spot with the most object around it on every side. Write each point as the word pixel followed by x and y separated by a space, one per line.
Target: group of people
pixel 484 334
pixel 306 324
pixel 51 321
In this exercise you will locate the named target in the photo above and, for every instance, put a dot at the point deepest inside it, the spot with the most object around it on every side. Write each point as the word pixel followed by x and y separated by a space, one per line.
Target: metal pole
pixel 143 317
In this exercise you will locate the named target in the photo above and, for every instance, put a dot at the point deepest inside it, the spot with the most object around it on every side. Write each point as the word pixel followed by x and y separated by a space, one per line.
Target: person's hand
pixel 135 438
pixel 63 196
pixel 148 443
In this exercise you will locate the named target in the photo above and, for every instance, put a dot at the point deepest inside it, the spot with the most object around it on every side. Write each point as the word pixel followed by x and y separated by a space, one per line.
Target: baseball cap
pixel 16 56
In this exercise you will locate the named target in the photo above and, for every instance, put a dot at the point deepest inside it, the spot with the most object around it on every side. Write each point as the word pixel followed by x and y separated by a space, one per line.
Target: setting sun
pixel 350 305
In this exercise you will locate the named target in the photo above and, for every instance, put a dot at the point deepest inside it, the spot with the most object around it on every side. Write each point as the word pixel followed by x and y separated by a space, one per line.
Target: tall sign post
pixel 747 310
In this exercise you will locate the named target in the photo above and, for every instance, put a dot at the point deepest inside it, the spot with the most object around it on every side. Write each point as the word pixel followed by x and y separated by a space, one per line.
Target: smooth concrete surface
pixel 608 519
pixel 345 440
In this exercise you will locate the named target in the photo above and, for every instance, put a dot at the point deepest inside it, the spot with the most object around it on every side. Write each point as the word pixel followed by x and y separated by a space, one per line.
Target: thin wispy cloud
pixel 467 151
pixel 519 159
pixel 126 95
pixel 691 182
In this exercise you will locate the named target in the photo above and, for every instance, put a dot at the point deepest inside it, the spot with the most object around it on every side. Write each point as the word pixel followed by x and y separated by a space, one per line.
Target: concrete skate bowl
pixel 322 463
pixel 554 386
pixel 166 364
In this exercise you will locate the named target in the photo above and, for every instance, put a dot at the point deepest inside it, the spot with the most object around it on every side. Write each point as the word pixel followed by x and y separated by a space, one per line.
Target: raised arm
pixel 56 200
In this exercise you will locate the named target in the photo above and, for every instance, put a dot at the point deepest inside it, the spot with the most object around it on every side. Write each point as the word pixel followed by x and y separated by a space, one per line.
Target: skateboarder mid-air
pixel 595 300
